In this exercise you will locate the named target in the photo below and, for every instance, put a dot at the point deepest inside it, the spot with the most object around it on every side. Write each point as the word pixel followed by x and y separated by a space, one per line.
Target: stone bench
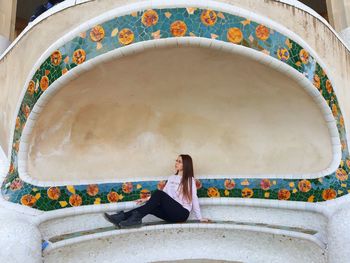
pixel 101 232
pixel 239 231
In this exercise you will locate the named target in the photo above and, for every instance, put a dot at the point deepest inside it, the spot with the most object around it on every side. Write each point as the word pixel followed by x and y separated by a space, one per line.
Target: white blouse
pixel 172 189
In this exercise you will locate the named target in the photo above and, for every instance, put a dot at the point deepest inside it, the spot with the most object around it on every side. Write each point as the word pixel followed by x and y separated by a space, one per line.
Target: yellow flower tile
pixel 114 32
pixel 311 198
pixel 63 203
pixel 245 22
pixel 71 189
pixel 97 201
pixel 98 45
pixel 245 182
pixel 156 35
pixel 221 15
pixel 288 43
pixel 190 10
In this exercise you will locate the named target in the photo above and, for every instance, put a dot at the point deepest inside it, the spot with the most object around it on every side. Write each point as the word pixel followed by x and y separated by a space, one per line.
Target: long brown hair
pixel 187 175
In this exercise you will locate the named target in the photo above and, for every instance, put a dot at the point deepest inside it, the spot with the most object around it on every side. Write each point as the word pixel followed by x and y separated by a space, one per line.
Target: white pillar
pixel 7 23
pixel 4 43
pixel 345 35
pixel 339 17
pixel 20 240
pixel 8 18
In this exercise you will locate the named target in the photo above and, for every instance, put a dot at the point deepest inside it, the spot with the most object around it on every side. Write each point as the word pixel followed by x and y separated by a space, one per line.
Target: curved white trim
pixel 188 41
pixel 192 226
pixel 4 44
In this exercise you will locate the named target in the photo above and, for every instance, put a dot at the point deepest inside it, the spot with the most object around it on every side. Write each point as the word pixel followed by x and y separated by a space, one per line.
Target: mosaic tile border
pixel 161 24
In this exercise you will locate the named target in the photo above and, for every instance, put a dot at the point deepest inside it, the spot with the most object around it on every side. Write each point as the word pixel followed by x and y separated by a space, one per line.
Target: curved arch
pixel 39 107
pixel 220 22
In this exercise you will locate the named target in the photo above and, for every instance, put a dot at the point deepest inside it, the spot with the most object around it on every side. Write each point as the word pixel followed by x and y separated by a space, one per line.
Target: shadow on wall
pixel 29 10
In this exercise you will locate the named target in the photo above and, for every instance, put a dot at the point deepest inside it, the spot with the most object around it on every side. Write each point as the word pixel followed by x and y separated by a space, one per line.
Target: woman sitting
pixel 172 204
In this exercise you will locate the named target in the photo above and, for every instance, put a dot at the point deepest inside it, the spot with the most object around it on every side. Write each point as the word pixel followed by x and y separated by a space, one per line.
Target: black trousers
pixel 163 206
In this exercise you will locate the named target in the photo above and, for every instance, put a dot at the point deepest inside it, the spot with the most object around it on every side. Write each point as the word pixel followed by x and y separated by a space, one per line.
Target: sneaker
pixel 115 219
pixel 135 220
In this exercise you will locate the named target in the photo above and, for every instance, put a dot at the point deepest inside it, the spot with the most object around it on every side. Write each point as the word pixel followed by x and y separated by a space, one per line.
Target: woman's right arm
pixel 165 189
pixel 195 202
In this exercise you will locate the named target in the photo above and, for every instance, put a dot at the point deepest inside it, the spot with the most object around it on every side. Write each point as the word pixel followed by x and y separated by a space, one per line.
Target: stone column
pixel 20 240
pixel 339 236
pixel 336 14
pixel 7 23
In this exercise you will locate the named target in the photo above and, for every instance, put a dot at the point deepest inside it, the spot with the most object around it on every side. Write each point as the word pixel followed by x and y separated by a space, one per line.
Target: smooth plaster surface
pixel 13 74
pixel 131 117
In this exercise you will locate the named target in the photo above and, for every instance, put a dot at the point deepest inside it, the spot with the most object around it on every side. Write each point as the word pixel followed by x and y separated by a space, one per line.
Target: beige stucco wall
pixel 131 117
pixel 15 67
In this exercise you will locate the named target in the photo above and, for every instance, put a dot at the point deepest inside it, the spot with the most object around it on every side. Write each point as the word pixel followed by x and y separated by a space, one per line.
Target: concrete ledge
pixel 224 241
pixel 72 238
pixel 305 225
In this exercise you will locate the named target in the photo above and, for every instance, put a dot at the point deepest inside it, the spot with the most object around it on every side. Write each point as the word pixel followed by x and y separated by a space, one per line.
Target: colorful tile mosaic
pixel 166 23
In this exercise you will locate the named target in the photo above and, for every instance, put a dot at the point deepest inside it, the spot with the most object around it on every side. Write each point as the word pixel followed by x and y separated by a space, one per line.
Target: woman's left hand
pixel 205 220
pixel 142 200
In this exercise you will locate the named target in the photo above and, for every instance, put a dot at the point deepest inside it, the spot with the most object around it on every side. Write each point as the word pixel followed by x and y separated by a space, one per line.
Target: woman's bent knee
pixel 159 192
